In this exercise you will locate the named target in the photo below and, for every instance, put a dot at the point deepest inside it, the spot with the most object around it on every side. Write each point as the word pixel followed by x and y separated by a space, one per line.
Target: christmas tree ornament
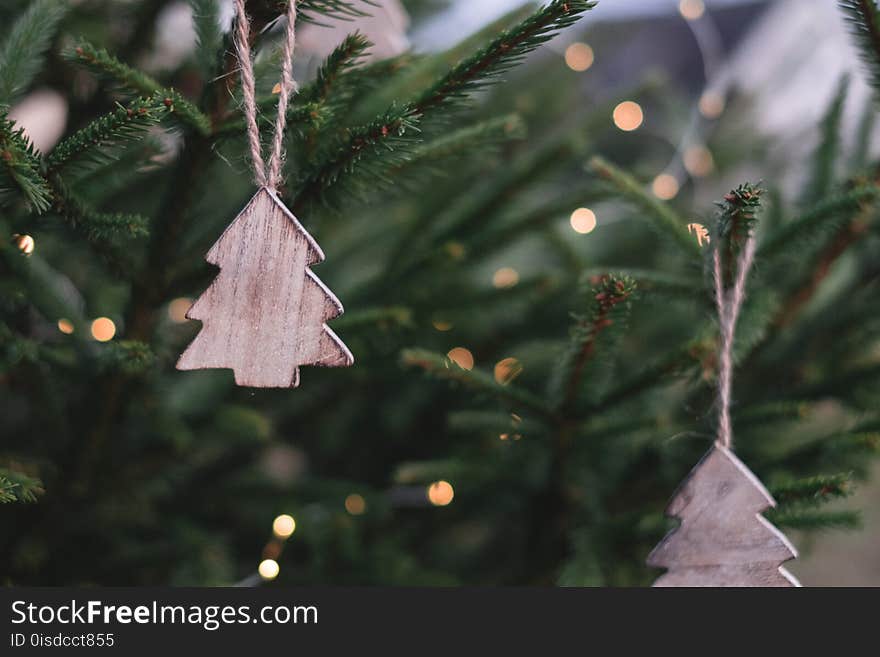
pixel 265 314
pixel 723 540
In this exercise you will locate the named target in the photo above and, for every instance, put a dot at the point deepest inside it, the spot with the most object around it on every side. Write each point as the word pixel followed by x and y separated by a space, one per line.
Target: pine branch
pixel 392 316
pixel 25 46
pixel 814 520
pixel 18 487
pixel 504 52
pixel 209 40
pixel 609 309
pixel 813 491
pixel 339 62
pixel 386 140
pixel 97 226
pixel 442 367
pixel 737 219
pixel 825 216
pixel 98 139
pixel 826 153
pixel 21 174
pixel 136 82
pixel 482 136
pixel 664 219
pixel 864 20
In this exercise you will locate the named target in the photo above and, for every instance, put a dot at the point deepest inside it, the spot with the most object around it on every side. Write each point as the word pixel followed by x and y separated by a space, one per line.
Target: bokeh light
pixel 65 326
pixel 711 104
pixel 461 357
pixel 269 569
pixel 506 370
pixel 440 493
pixel 691 9
pixel 665 186
pixel 583 220
pixel 628 115
pixel 25 243
pixel 103 329
pixel 283 526
pixel 355 504
pixel 178 308
pixel 579 56
pixel 442 325
pixel 698 161
pixel 505 277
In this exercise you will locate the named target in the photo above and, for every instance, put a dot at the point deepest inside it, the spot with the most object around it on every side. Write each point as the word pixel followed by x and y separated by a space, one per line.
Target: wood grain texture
pixel 265 314
pixel 722 540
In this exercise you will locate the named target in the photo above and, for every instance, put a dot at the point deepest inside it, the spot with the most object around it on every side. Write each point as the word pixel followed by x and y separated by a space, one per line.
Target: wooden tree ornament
pixel 722 540
pixel 264 315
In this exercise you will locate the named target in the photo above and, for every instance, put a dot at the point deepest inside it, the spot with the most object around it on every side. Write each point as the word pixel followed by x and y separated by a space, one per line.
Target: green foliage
pixel 24 47
pixel 665 220
pixel 135 82
pixel 206 20
pixel 829 144
pixel 20 175
pixel 18 487
pixel 864 21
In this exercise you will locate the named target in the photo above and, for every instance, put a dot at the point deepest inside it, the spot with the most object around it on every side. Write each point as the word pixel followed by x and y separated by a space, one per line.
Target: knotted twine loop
pixel 729 304
pixel 265 176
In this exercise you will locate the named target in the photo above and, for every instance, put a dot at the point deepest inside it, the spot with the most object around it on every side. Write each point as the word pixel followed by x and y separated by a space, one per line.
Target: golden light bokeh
pixel 178 308
pixel 268 569
pixel 355 504
pixel 440 493
pixel 25 243
pixel 103 329
pixel 505 277
pixel 461 357
pixel 711 104
pixel 665 187
pixel 628 115
pixel 442 325
pixel 283 526
pixel 698 161
pixel 691 9
pixel 65 326
pixel 700 232
pixel 579 56
pixel 506 370
pixel 583 221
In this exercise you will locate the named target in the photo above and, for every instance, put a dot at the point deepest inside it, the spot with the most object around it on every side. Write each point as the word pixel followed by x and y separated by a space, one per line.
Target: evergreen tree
pixel 541 406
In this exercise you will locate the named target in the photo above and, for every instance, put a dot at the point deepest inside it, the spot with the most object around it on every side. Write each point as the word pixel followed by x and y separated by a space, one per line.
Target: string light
pixel 355 504
pixel 461 357
pixel 178 308
pixel 25 243
pixel 506 370
pixel 583 220
pixel 691 9
pixel 269 569
pixel 65 326
pixel 283 526
pixel 628 115
pixel 665 187
pixel 505 277
pixel 103 329
pixel 579 56
pixel 440 493
pixel 698 161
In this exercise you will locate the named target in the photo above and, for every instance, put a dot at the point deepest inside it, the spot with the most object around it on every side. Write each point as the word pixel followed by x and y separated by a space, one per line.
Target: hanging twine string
pixel 729 304
pixel 265 175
